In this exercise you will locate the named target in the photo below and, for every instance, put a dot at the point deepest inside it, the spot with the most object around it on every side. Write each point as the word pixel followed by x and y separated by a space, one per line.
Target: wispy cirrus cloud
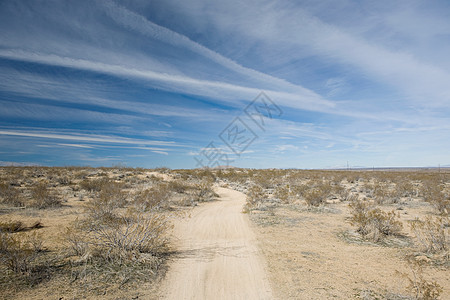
pixel 112 80
pixel 86 138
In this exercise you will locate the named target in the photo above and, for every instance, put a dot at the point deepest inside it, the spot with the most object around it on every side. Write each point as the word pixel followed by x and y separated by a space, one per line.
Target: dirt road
pixel 218 256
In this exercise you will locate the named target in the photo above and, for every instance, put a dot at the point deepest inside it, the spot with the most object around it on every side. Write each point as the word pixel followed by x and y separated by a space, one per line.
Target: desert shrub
pixel 11 226
pixel 43 197
pixel 134 232
pixel 441 203
pixel 64 180
pixel 17 252
pixel 265 180
pixel 254 197
pixel 419 286
pixel 94 185
pixel 178 186
pixel 381 191
pixel 154 198
pixel 110 197
pixel 405 188
pixel 433 193
pixel 11 195
pixel 347 195
pixel 299 189
pixel 282 193
pixel 203 191
pixel 315 197
pixel 432 233
pixel 112 192
pixel 131 234
pixel 372 222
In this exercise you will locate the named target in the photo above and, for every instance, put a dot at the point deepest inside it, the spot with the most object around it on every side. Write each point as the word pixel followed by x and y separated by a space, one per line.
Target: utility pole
pixel 347 165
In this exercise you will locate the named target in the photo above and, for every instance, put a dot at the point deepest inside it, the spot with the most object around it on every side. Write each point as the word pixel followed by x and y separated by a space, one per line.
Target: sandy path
pixel 218 256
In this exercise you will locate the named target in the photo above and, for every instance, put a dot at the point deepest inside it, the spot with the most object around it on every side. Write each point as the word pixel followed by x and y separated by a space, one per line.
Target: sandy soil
pixel 218 257
pixel 308 259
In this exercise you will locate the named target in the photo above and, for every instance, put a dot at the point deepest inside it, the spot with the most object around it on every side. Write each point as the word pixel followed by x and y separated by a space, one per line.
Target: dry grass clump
pixel 373 223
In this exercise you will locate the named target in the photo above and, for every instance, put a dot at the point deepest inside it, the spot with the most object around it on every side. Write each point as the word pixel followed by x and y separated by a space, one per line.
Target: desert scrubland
pixel 128 233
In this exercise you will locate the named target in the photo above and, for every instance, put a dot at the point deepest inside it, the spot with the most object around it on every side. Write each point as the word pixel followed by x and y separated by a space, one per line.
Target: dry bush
pixel 134 232
pixel 11 226
pixel 433 193
pixel 315 197
pixel 17 252
pixel 347 195
pixel 203 191
pixel 432 233
pixel 381 192
pixel 94 185
pixel 299 189
pixel 282 193
pixel 254 197
pixel 405 188
pixel 113 233
pixel 43 197
pixel 154 198
pixel 178 186
pixel 64 180
pixel 110 197
pixel 127 237
pixel 11 195
pixel 265 179
pixel 419 287
pixel 372 222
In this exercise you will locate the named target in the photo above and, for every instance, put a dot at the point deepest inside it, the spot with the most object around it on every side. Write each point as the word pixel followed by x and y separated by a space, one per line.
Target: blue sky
pixel 153 83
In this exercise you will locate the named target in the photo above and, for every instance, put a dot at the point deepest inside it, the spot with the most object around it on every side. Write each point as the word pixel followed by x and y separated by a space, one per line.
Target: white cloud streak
pixel 87 138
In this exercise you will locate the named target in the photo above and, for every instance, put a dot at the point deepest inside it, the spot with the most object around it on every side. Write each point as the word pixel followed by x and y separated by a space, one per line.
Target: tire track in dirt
pixel 218 256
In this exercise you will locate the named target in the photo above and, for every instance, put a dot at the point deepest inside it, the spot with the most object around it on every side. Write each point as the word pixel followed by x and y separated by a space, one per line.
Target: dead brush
pixel 130 235
pixel 203 191
pixel 43 197
pixel 110 197
pixel 155 198
pixel 19 251
pixel 11 195
pixel 11 226
pixel 316 196
pixel 419 287
pixel 255 196
pixel 283 193
pixel 178 186
pixel 94 185
pixel 373 223
pixel 434 193
pixel 432 234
